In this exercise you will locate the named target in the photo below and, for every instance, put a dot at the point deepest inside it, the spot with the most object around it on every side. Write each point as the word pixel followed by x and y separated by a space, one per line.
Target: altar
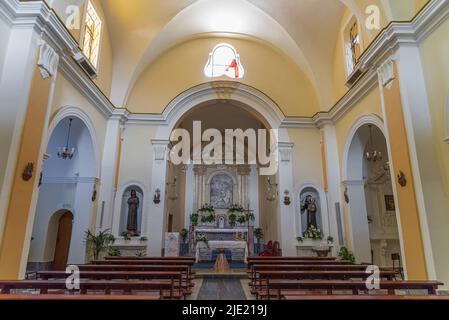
pixel 239 249
pixel 237 234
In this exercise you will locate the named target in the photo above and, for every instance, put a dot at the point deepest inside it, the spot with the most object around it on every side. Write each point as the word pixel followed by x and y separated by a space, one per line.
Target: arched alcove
pixel 374 228
pixel 310 202
pixel 66 185
pixel 124 209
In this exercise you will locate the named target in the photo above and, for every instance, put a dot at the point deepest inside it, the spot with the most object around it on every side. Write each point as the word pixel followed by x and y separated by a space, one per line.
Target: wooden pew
pixel 73 297
pixel 184 269
pixel 265 277
pixel 282 287
pixel 267 267
pixel 175 277
pixel 258 258
pixel 150 258
pixel 127 287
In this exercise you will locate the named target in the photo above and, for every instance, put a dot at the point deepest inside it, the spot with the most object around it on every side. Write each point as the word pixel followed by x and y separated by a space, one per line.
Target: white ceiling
pixel 305 30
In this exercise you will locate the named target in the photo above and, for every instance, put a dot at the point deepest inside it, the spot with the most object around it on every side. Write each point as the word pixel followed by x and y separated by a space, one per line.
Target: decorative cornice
pixel 38 15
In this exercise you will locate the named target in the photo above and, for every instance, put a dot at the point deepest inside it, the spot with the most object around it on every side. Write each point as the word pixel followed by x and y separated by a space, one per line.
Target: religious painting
pixel 221 191
pixel 389 203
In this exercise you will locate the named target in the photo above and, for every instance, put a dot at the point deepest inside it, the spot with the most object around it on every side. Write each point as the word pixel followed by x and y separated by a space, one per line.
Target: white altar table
pixel 217 245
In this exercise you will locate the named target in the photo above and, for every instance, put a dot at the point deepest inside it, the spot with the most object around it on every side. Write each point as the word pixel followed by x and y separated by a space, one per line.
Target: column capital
pixel 385 72
pixel 199 169
pixel 160 148
pixel 244 170
pixel 285 151
pixel 48 60
pixel 120 114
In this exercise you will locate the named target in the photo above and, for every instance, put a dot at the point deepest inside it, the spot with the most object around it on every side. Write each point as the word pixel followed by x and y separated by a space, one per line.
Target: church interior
pixel 224 150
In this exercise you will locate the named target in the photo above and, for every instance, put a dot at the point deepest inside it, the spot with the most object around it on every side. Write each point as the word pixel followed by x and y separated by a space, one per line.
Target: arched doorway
pixel 370 196
pixel 64 236
pixel 67 185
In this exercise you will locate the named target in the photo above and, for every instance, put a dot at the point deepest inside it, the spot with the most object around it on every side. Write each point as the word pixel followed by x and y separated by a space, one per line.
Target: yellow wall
pixel 182 68
pixel 20 209
pixel 435 53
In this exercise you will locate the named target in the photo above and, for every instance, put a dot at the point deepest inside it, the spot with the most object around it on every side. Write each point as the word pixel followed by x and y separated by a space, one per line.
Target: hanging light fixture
pixel 372 154
pixel 66 153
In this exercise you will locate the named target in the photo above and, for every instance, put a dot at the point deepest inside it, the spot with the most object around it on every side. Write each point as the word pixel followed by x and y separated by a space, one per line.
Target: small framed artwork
pixel 389 203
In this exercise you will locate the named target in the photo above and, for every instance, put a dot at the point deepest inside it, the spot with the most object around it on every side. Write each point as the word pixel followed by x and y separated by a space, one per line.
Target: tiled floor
pixel 221 289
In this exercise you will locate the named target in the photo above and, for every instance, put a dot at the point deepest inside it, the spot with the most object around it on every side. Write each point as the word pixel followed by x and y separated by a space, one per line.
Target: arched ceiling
pixel 304 30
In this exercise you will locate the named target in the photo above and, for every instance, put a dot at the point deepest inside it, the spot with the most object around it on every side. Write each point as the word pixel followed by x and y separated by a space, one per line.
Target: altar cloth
pixel 216 245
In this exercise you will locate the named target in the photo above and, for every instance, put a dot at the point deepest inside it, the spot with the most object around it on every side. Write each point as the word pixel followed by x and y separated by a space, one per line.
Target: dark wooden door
pixel 63 241
pixel 170 223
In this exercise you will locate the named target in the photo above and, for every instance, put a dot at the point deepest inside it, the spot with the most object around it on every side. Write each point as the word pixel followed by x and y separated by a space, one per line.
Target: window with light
pixel 92 34
pixel 224 61
pixel 353 49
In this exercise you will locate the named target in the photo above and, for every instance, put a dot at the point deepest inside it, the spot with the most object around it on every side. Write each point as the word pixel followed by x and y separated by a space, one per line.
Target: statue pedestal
pixel 310 248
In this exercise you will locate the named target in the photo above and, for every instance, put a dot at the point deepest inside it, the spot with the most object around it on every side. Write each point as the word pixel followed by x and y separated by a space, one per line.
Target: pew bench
pixel 74 297
pixel 164 289
pixel 280 288
pixel 366 298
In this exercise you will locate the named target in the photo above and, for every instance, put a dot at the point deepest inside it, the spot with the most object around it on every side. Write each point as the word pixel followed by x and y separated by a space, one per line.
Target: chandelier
pixel 65 153
pixel 372 154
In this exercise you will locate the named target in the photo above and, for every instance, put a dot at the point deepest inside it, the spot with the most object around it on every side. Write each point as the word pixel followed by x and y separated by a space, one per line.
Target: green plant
pixel 232 218
pixel 143 239
pixel 194 219
pixel 241 219
pixel 330 239
pixel 206 214
pixel 300 239
pixel 97 244
pixel 126 235
pixel 346 255
pixel 313 233
pixel 114 252
pixel 184 234
pixel 258 232
pixel 141 253
pixel 236 208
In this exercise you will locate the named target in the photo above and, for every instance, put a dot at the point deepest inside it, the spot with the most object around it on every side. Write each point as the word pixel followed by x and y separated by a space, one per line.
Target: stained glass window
pixel 224 61
pixel 92 34
pixel 353 47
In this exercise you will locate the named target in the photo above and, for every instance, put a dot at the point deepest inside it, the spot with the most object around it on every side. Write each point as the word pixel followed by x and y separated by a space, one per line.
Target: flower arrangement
pixel 313 233
pixel 236 208
pixel 206 214
pixel 202 238
pixel 258 232
pixel 126 235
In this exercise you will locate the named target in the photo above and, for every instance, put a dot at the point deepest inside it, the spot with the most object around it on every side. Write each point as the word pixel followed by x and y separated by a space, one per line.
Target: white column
pixel 156 218
pixel 109 169
pixel 359 220
pixel 286 213
pixel 190 195
pixel 254 195
pixel 81 220
pixel 333 192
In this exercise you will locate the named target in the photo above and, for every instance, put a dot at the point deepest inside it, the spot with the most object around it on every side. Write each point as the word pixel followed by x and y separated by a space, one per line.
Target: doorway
pixel 63 241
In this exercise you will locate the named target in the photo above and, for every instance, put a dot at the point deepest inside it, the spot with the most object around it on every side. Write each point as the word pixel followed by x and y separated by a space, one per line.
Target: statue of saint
pixel 133 207
pixel 309 205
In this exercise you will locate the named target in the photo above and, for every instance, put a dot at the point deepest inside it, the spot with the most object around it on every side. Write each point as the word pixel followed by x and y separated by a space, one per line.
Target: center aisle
pixel 221 289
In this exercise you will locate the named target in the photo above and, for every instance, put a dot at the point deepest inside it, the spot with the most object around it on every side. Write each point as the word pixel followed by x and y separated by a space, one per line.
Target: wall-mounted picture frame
pixel 389 203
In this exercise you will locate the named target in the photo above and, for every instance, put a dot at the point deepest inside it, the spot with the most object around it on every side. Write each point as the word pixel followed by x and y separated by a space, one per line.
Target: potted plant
pixel 330 240
pixel 233 213
pixel 126 235
pixel 300 239
pixel 141 253
pixel 345 255
pixel 143 239
pixel 194 219
pixel 98 244
pixel 184 234
pixel 114 252
pixel 258 233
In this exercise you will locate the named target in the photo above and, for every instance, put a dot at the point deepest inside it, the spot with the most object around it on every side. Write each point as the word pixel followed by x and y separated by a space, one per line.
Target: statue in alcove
pixel 133 207
pixel 309 205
